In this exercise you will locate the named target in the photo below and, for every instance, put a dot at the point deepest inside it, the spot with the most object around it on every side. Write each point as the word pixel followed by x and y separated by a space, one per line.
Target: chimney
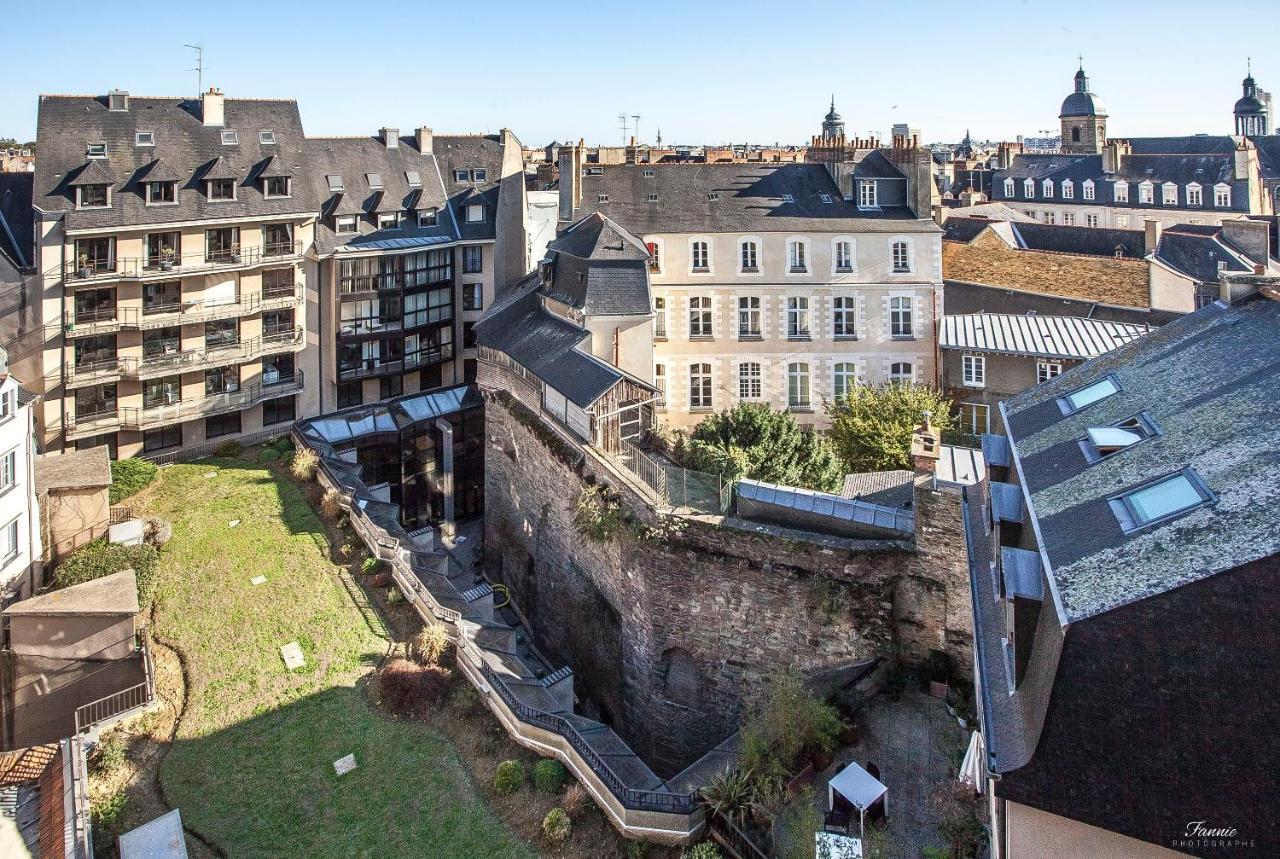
pixel 569 182
pixel 390 137
pixel 1153 230
pixel 425 140
pixel 926 446
pixel 1252 238
pixel 1112 153
pixel 212 108
pixel 118 99
pixel 1235 287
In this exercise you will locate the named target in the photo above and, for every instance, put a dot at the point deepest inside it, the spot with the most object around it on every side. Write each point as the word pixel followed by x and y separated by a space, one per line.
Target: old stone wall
pixel 672 624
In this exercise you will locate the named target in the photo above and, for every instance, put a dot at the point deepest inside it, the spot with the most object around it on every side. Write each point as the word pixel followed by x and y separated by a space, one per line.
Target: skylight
pixel 230 138
pixel 144 138
pixel 374 180
pixel 266 138
pixel 787 198
pixel 648 174
pixel 1089 394
pixel 826 198
pixel 412 177
pixel 1160 500
pixel 335 183
pixel 713 195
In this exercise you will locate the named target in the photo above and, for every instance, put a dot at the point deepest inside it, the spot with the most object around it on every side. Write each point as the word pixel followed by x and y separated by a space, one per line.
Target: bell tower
pixel 1084 119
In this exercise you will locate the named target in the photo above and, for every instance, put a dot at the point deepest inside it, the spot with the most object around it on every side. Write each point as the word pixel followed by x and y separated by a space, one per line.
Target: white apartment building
pixel 20 544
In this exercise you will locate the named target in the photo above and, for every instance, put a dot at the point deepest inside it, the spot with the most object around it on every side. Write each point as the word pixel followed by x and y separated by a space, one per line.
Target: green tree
pixel 871 426
pixel 757 441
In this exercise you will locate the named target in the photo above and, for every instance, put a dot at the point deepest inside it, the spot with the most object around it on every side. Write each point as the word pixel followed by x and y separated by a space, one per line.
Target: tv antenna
pixel 199 69
pixel 622 127
pixel 636 126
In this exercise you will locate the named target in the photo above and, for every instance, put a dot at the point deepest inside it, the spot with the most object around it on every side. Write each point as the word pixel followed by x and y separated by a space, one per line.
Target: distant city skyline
pixel 715 74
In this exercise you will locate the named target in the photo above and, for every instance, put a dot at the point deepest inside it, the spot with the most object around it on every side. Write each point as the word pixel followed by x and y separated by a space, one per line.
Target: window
pixel 699 256
pixel 462 175
pixel 275 186
pixel 222 189
pixel 660 382
pixel 700 317
pixel 1050 218
pixel 974 418
pixel 479 175
pixel 748 317
pixel 230 138
pixel 900 312
pixel 96 255
pixel 787 198
pixel 161 392
pixel 1046 370
pixel 826 198
pixel 1091 220
pixel 222 244
pixel 9 470
pixel 1029 188
pixel 655 256
pixel 162 193
pixel 842 255
pixel 374 180
pixel 1121 191
pixel 413 179
pixel 1169 194
pixel 1008 187
pixel 335 183
pixel 164 297
pixel 651 198
pixel 798 385
pixel 1068 219
pixel 1222 196
pixel 1195 196
pixel 602 198
pixel 1068 189
pixel 350 394
pixel 660 318
pixel 144 138
pixel 844 317
pixel 797 256
pixel 472 259
pixel 867 197
pixel 1089 394
pixel 648 173
pixel 798 318
pixel 1046 188
pixel 96 150
pixel 1087 189
pixel 975 371
pixel 221 332
pixel 699 386
pixel 426 217
pixel 475 213
pixel 93 196
pixel 1160 500
pixel 473 296
pixel 388 220
pixel 277 239
pixel 713 196
pixel 1101 442
pixel 1122 222
pixel 901 373
pixel 8 404
pixel 901 257
pixel 221 425
pixel 280 410
pixel 844 378
pixel 162 439
pixel 1146 193
pixel 750 385
pixel 750 255
pixel 266 138
pixel 11 532
pixel 347 224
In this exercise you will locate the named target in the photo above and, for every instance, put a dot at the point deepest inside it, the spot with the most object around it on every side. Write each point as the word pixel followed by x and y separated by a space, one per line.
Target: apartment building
pixel 778 283
pixel 171 235
pixel 20 539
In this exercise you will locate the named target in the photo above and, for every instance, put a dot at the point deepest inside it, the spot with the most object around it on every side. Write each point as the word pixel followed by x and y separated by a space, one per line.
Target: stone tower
pixel 1084 120
pixel 1250 112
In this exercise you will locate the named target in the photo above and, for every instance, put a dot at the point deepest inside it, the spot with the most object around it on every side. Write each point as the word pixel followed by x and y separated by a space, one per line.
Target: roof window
pixel 595 171
pixel 787 198
pixel 374 180
pixel 1160 500
pixel 602 198
pixel 412 177
pixel 230 138
pixel 266 138
pixel 144 138
pixel 1088 395
pixel 651 198
pixel 1101 442
pixel 826 198
pixel 648 173
pixel 713 195
pixel 335 183
pixel 479 175
pixel 96 150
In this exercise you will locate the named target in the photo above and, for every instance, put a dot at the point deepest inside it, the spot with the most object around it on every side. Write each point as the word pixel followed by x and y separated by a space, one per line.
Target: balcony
pixel 110 320
pixel 155 268
pixel 81 425
pixel 371 367
pixel 168 363
pixel 132 417
pixel 93 371
pixel 370 326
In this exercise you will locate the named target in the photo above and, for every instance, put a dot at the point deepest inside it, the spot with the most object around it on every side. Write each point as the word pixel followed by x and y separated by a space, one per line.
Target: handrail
pixel 131 697
pixel 134 366
pixel 160 268
pixel 140 418
pixel 184 312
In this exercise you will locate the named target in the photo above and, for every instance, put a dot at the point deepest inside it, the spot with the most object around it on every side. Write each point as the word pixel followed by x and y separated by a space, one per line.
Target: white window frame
pixel 266 138
pixel 899 314
pixel 868 194
pixel 1046 188
pixel 974 371
pixel 660 317
pixel 843 380
pixel 462 175
pixel 230 138
pixel 902 378
pixel 1029 188
pixel 1222 196
pixel 388 220
pixel 1087 189
pixel 1169 194
pixel 660 382
pixel 844 317
pixel 1091 220
pixel 909 259
pixel 479 174
pixel 346 224
pixel 851 265
pixel 701 386
pixel 1068 219
pixel 799 385
pixel 750 381
pixel 1046 370
pixel 700 251
pixel 12 533
pixel 475 213
pixel 797 255
pixel 971 424
pixel 749 313
pixel 1195 194
pixel 657 251
pixel 701 317
pixel 9 469
pixel 427 217
pixel 798 318
pixel 144 138
pixel 1146 193
pixel 1009 188
pixel 1050 217
pixel 1068 189
pixel 1120 191
pixel 749 246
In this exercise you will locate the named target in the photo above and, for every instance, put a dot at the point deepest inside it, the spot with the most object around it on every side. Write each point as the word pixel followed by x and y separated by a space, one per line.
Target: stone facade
pixel 668 633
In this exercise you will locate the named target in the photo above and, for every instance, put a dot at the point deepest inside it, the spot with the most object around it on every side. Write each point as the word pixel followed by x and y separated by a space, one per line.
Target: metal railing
pixel 132 417
pixel 733 838
pixel 181 312
pixel 676 486
pixel 159 268
pixel 167 363
pixel 117 703
pixel 198 451
pixel 371 367
pixel 81 846
pixel 644 467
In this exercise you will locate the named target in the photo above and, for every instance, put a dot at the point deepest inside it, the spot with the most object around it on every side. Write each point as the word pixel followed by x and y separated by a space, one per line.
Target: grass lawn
pixel 251 766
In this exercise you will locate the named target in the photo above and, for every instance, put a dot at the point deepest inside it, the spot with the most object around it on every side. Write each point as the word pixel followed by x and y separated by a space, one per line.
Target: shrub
pixel 758 441
pixel 556 826
pixel 110 752
pixel 548 775
pixel 370 565
pixel 284 444
pixel 574 801
pixel 784 725
pixel 394 597
pixel 157 531
pixel 331 504
pixel 960 819
pixel 432 643
pixel 411 690
pixel 598 516
pixel 702 850
pixel 100 558
pixel 268 454
pixel 129 477
pixel 304 464
pixel 728 794
pixel 871 426
pixel 229 449
pixel 509 778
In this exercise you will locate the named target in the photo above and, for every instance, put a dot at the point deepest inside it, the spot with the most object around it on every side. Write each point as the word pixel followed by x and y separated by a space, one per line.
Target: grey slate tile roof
pixel 963 297
pixel 16 242
pixel 886 488
pixel 600 269
pixel 1040 336
pixel 67 124
pixel 1089 241
pixel 462 151
pixel 92 172
pixel 1198 254
pixel 750 200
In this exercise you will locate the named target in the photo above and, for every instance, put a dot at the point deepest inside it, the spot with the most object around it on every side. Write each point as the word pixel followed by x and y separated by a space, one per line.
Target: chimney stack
pixel 926 446
pixel 390 137
pixel 425 139
pixel 212 108
pixel 118 100
pixel 1153 230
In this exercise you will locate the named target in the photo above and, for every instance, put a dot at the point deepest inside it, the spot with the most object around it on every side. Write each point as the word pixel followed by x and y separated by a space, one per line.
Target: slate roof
pixel 750 200
pixel 77 469
pixel 469 151
pixel 67 124
pixel 886 488
pixel 1035 335
pixel 1089 241
pixel 114 594
pixel 600 269
pixel 960 296
pixel 16 219
pixel 1198 254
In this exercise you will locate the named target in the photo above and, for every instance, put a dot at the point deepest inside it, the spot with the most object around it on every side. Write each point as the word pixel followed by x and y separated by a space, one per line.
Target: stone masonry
pixel 670 626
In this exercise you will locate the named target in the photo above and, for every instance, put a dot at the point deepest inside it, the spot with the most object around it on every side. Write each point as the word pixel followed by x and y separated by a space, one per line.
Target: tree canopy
pixel 871 426
pixel 757 441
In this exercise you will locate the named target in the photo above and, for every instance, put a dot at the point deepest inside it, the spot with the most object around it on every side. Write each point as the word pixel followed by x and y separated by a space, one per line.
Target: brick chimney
pixel 426 139
pixel 212 108
pixel 390 137
pixel 926 446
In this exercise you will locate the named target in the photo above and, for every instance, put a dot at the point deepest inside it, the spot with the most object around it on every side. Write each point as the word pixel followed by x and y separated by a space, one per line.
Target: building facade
pixel 20 539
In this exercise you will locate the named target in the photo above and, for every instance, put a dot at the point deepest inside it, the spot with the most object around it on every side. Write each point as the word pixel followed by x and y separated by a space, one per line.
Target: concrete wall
pixel 74 517
pixel 634 347
pixel 669 633
pixel 1171 290
pixel 1035 834
pixel 98 637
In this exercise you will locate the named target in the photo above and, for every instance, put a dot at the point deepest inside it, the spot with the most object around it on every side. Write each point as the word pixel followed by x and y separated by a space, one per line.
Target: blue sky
pixel 706 72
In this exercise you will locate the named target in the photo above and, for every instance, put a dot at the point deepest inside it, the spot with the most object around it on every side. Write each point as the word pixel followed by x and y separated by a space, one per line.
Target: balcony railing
pixel 105 419
pixel 118 703
pixel 132 417
pixel 92 371
pixel 106 320
pixel 167 363
pixel 371 367
pixel 151 267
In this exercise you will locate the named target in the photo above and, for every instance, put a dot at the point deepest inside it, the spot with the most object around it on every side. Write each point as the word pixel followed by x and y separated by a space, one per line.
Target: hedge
pixel 129 477
pixel 100 558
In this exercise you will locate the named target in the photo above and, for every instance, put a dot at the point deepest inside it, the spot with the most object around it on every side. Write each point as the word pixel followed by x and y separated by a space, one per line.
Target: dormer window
pixel 475 213
pixel 1160 500
pixel 648 173
pixel 1195 195
pixel 787 198
pixel 479 175
pixel 1222 196
pixel 335 184
pixel 1122 192
pixel 275 186
pixel 867 195
pixel 1088 189
pixel 222 190
pixel 230 138
pixel 1102 442
pixel 427 218
pixel 1068 189
pixel 96 150
pixel 144 138
pixel 388 221
pixel 602 198
pixel 1146 193
pixel 1169 194
pixel 374 180
pixel 462 175
pixel 93 197
pixel 1008 187
pixel 347 224
pixel 1046 187
pixel 266 138
pixel 162 193
pixel 713 196
pixel 1028 188
pixel 412 177
pixel 1088 395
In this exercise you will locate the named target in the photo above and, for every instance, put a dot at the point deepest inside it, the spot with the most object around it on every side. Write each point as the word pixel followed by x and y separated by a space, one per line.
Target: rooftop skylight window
pixel 648 174
pixel 1160 500
pixel 713 195
pixel 1088 395
pixel 266 138
pixel 1102 442
pixel 335 183
pixel 826 198
pixel 412 177
pixel 230 138
pixel 374 180
pixel 787 198
pixel 144 138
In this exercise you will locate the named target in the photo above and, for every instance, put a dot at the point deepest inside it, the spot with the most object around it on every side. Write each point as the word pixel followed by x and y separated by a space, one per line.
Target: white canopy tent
pixel 860 788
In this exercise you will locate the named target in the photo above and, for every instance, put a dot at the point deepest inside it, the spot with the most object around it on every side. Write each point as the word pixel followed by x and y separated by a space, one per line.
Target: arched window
pixel 1008 187
pixel 901 252
pixel 699 386
pixel 900 373
pixel 1088 189
pixel 654 247
pixel 1028 188
pixel 1068 189
pixel 749 255
pixel 844 378
pixel 680 683
pixel 1075 134
pixel 749 381
pixel 798 385
pixel 700 255
pixel 797 256
pixel 1046 187
pixel 842 260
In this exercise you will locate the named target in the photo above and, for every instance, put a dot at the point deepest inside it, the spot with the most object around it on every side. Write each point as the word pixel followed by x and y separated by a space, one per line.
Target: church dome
pixel 1082 102
pixel 1249 104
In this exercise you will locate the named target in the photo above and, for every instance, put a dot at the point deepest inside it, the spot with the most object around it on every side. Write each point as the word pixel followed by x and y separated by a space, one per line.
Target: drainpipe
pixel 446 479
pixel 617 337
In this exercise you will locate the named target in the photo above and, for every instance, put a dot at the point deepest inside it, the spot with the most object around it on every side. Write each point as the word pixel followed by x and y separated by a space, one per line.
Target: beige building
pixel 776 283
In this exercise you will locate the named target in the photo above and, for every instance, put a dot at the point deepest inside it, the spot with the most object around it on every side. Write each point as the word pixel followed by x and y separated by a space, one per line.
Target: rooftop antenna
pixel 659 137
pixel 622 127
pixel 636 126
pixel 199 69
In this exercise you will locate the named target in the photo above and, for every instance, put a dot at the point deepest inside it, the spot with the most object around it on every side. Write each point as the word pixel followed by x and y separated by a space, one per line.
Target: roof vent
pixel 118 99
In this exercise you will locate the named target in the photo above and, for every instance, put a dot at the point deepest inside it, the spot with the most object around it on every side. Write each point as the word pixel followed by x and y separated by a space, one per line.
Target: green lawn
pixel 251 766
